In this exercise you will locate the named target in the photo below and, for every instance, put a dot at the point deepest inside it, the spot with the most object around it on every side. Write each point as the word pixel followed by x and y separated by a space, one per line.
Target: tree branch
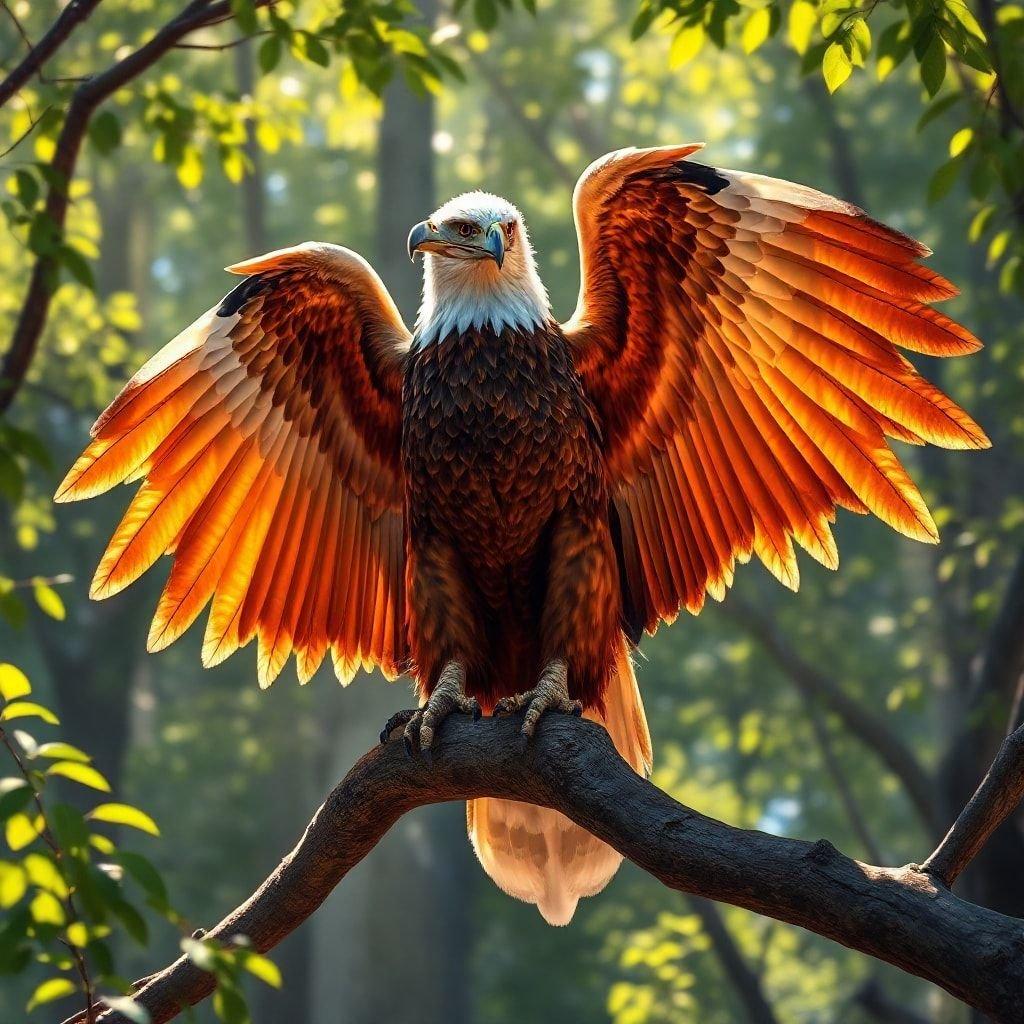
pixel 84 102
pixel 66 22
pixel 898 915
pixel 868 727
pixel 993 802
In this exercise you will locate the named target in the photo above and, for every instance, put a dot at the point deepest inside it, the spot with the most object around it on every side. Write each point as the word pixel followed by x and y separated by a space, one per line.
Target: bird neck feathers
pixel 462 295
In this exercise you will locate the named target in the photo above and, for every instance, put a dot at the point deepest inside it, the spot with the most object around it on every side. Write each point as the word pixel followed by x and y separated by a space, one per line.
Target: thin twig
pixel 18 25
pixel 33 124
pixel 66 22
pixel 993 802
pixel 222 46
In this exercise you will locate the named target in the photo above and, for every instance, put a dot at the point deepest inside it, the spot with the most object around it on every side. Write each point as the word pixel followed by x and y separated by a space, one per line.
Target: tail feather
pixel 539 855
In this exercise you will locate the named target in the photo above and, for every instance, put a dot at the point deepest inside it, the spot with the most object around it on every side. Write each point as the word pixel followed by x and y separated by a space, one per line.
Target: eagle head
pixel 479 270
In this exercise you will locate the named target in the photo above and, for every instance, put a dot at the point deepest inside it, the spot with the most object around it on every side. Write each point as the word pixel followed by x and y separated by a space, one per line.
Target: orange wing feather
pixel 267 439
pixel 738 335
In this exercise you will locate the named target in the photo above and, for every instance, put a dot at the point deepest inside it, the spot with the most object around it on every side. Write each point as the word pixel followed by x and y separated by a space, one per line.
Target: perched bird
pixel 502 504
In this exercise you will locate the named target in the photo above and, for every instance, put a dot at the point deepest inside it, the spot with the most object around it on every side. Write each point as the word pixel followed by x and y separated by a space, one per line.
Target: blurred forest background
pixel 861 709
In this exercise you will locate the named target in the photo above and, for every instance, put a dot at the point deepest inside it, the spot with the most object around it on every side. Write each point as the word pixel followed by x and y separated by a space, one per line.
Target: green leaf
pixel 146 875
pixel 45 908
pixel 13 884
pixel 997 247
pixel 269 53
pixel 803 16
pixel 317 52
pixel 124 814
pixel 933 65
pixel 27 188
pixel 938 108
pixel 835 66
pixel 28 709
pixel 15 793
pixel 21 830
pixel 266 970
pixel 943 180
pixel 962 13
pixel 132 920
pixel 756 30
pixel 83 774
pixel 229 1005
pixel 980 223
pixel 105 132
pixel 485 12
pixel 62 751
pixel 44 873
pixel 69 825
pixel 960 141
pixel 893 46
pixel 244 12
pixel 48 991
pixel 687 43
pixel 860 37
pixel 46 597
pixel 643 21
pixel 76 265
pixel 13 682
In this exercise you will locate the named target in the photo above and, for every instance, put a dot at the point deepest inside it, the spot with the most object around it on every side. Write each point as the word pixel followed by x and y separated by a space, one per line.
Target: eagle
pixel 502 504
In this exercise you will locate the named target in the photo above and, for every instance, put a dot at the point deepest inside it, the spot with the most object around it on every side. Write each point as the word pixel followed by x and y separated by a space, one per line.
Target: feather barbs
pixel 738 336
pixel 266 437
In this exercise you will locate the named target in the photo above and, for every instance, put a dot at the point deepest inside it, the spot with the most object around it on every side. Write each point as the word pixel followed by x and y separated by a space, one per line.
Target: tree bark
pixel 899 915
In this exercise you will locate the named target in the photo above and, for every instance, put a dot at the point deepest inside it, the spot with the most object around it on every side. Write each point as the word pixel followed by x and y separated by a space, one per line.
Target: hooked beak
pixel 425 237
pixel 420 235
pixel 494 243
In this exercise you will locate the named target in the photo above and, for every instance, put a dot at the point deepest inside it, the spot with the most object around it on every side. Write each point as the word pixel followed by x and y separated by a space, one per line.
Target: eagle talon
pixel 397 719
pixel 550 694
pixel 421 724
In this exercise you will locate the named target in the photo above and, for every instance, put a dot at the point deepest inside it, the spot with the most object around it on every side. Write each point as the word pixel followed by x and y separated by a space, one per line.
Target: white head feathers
pixel 462 294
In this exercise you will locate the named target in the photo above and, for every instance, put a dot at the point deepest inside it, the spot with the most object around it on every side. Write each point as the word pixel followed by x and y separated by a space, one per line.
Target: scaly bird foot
pixel 421 724
pixel 550 694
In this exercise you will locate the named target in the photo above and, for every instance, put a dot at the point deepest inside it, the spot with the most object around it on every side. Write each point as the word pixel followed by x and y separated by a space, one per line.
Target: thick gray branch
pixel 898 915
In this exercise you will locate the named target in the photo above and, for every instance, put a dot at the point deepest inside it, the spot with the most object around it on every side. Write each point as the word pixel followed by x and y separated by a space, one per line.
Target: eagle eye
pixel 510 233
pixel 465 229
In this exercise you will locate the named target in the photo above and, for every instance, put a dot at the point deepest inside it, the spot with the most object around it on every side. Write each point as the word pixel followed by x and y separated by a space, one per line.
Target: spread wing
pixel 738 335
pixel 266 437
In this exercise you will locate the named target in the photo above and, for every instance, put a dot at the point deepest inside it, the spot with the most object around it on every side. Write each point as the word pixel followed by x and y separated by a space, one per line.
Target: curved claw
pixel 550 694
pixel 397 719
pixel 421 724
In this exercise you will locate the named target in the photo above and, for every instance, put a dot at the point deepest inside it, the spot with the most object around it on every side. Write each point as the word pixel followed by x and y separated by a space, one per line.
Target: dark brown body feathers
pixel 510 557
